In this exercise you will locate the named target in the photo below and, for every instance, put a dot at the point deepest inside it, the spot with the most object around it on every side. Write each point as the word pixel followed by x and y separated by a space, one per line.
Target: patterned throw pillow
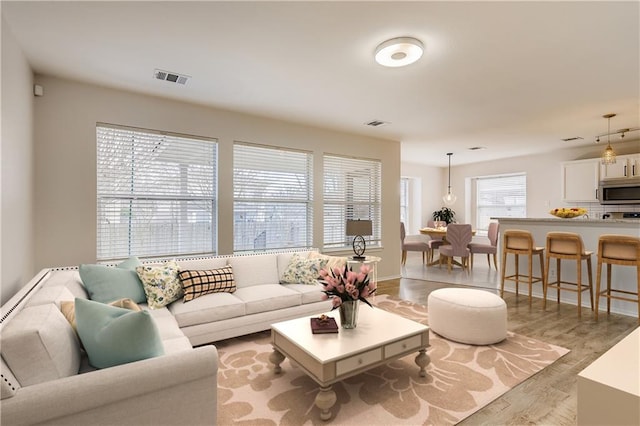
pixel 303 271
pixel 332 261
pixel 198 283
pixel 161 284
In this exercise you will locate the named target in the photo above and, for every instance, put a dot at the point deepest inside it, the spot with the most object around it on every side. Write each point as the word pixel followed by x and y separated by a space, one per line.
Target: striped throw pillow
pixel 196 283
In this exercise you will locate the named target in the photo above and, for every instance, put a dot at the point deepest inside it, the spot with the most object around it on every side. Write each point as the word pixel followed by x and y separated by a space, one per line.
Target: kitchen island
pixel 624 277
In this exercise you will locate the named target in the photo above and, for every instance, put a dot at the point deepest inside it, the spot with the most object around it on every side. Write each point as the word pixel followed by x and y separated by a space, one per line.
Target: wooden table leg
pixel 325 399
pixel 422 359
pixel 276 359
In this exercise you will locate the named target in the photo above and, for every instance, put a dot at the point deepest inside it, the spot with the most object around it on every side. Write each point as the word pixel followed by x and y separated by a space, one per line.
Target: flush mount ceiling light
pixel 399 52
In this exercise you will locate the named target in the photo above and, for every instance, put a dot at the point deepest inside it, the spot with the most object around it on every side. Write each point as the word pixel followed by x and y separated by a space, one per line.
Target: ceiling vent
pixel 171 76
pixel 376 123
pixel 575 138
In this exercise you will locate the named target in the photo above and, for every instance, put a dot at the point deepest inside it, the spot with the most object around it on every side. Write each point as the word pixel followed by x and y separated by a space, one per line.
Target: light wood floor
pixel 549 397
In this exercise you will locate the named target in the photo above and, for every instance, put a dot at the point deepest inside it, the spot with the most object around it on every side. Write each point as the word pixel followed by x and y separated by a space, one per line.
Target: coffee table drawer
pixel 358 361
pixel 403 346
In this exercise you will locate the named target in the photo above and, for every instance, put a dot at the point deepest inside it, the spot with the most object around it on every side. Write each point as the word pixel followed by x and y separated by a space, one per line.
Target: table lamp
pixel 359 228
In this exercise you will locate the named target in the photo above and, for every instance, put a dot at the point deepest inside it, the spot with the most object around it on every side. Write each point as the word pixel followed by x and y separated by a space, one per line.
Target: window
pixel 272 198
pixel 404 201
pixel 156 193
pixel 500 196
pixel 352 190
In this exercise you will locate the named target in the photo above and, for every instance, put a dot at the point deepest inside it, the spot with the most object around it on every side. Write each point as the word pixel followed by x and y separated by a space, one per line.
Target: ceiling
pixel 513 77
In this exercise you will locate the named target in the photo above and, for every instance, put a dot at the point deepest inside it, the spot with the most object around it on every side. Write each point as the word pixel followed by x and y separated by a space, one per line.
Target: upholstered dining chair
pixel 457 241
pixel 434 243
pixel 412 245
pixel 489 249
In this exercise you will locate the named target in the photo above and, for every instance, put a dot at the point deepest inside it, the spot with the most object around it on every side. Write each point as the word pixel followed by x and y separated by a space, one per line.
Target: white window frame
pixel 405 201
pixel 272 198
pixel 499 196
pixel 352 190
pixel 156 193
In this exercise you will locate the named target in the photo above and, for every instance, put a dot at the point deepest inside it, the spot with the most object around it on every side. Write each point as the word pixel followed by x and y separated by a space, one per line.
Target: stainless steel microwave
pixel 619 191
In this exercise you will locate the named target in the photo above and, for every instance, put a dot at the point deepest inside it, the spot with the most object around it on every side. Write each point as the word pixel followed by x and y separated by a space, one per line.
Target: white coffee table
pixel 380 337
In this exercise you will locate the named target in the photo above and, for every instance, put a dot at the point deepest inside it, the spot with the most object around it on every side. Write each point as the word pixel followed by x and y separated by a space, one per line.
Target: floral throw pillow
pixel 302 270
pixel 161 284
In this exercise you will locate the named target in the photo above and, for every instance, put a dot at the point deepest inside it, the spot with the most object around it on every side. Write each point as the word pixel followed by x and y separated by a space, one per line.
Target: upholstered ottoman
pixel 467 315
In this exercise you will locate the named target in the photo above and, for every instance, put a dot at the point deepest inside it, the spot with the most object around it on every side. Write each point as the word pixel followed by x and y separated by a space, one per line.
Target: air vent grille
pixel 574 138
pixel 171 77
pixel 376 123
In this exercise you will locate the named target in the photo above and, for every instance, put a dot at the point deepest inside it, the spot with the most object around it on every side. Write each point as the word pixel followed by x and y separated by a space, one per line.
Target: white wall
pixel 65 155
pixel 16 175
pixel 430 187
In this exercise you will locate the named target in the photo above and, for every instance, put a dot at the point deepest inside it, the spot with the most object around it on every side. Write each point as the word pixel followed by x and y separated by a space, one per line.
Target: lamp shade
pixel 359 227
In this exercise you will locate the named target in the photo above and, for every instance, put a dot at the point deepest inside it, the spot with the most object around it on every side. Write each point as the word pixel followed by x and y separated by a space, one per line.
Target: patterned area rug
pixel 461 379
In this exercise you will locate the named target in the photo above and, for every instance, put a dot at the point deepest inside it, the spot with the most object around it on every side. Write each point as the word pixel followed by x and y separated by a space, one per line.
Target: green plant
pixel 445 214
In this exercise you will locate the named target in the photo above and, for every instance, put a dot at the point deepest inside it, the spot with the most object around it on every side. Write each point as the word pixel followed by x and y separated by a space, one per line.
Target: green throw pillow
pixel 106 284
pixel 113 336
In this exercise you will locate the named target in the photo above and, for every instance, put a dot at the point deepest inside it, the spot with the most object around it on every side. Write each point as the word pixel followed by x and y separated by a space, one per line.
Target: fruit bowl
pixel 568 213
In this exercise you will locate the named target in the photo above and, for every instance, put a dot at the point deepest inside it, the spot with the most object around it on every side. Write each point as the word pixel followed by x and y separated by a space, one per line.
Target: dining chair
pixel 489 249
pixel 457 241
pixel 435 242
pixel 412 246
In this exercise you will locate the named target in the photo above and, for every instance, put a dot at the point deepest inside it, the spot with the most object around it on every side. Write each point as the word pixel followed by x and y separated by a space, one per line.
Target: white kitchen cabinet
pixel 580 180
pixel 626 166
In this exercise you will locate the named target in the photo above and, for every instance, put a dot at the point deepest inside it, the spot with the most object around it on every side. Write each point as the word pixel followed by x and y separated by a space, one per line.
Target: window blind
pixel 156 193
pixel 352 190
pixel 500 196
pixel 272 198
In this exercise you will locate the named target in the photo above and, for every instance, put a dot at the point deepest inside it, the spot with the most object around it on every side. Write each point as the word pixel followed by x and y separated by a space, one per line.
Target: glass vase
pixel 349 314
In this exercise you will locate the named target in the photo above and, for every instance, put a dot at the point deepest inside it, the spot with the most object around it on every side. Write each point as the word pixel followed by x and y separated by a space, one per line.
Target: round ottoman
pixel 466 315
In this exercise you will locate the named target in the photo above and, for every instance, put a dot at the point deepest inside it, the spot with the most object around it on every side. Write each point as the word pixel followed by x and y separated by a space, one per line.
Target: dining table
pixel 439 232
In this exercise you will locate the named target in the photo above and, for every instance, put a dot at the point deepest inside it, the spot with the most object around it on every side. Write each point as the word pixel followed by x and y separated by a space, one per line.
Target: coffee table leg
pixel 276 358
pixel 422 359
pixel 325 400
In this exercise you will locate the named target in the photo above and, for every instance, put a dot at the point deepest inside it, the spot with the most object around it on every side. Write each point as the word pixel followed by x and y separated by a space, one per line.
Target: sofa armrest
pixel 180 388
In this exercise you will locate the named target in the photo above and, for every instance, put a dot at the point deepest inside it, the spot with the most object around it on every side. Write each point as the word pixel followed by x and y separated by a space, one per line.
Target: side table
pixel 372 261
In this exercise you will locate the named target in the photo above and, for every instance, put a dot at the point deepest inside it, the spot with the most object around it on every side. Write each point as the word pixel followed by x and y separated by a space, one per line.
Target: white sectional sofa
pixel 46 377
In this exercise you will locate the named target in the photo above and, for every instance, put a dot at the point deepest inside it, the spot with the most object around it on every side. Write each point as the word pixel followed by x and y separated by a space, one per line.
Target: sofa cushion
pixel 206 309
pixel 39 345
pixel 268 297
pixel 302 270
pixel 161 284
pixel 51 294
pixel 310 294
pixel 255 270
pixel 114 336
pixel 196 283
pixel 203 263
pixel 69 278
pixel 106 284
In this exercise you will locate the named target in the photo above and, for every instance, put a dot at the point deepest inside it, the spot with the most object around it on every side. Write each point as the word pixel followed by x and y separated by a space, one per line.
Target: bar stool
pixel 569 246
pixel 617 250
pixel 519 242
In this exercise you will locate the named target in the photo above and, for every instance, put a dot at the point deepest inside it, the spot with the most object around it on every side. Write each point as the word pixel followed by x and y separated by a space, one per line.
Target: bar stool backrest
pixel 619 247
pixel 565 243
pixel 517 240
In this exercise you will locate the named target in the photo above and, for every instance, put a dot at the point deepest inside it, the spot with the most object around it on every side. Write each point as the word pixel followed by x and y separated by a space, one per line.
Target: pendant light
pixel 609 155
pixel 449 198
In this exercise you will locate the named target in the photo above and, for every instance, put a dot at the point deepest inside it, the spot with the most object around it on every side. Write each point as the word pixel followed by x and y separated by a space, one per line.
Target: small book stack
pixel 324 324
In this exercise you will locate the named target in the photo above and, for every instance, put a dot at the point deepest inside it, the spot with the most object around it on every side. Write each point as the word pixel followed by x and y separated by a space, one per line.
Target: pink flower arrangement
pixel 344 285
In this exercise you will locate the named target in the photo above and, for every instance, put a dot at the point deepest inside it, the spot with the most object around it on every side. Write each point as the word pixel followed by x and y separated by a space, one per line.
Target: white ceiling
pixel 514 77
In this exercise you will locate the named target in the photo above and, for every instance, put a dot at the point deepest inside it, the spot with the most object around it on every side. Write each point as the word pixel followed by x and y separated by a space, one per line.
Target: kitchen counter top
pixel 580 220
